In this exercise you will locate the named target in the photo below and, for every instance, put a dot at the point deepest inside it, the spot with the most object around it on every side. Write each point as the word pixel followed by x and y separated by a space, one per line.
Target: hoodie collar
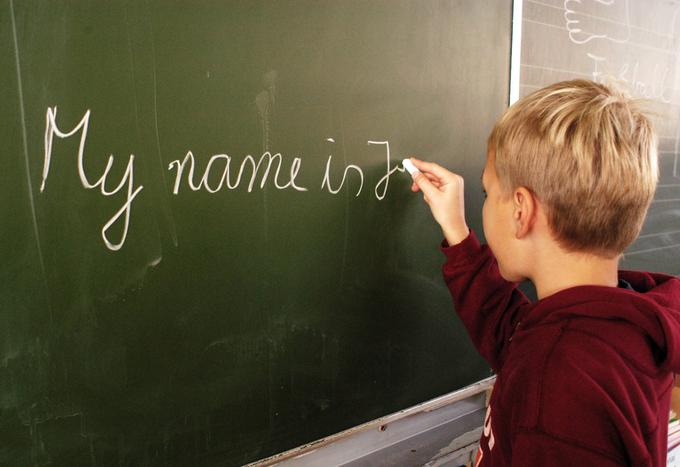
pixel 624 284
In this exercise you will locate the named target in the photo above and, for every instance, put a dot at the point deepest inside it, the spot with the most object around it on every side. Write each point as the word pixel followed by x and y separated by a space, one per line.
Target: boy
pixel 584 374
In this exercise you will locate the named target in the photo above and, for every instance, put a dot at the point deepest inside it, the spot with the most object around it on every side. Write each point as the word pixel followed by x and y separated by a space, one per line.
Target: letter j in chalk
pixel 408 165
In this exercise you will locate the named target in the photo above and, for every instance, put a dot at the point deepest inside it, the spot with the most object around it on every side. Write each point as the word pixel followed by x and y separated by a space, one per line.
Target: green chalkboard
pixel 186 279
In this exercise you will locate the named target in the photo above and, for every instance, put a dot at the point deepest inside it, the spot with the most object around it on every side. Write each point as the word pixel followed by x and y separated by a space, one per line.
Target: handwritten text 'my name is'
pixel 219 169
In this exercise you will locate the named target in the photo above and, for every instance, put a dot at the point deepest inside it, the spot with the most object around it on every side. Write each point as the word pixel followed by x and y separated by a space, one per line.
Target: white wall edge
pixel 515 50
pixel 457 402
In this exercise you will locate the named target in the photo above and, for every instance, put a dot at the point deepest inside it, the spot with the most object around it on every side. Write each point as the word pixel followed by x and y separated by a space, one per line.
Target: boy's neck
pixel 558 271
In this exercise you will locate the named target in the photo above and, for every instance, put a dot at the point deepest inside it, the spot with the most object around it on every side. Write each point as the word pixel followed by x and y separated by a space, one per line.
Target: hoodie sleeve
pixel 537 449
pixel 486 303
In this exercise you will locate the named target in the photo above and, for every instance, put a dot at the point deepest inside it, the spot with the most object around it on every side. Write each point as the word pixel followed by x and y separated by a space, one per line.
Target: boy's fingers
pixel 435 180
pixel 425 185
pixel 432 168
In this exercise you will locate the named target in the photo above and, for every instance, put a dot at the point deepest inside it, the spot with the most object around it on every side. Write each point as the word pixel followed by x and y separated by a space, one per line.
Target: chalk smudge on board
pixel 25 146
pixel 265 102
pixel 167 208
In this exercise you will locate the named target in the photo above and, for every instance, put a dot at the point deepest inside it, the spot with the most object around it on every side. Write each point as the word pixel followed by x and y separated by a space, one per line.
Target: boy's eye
pixel 484 192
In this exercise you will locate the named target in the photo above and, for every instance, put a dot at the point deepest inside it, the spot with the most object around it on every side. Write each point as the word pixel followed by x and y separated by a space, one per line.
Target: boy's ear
pixel 524 211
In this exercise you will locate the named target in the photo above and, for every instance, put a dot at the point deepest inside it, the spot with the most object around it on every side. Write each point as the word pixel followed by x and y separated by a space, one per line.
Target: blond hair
pixel 589 154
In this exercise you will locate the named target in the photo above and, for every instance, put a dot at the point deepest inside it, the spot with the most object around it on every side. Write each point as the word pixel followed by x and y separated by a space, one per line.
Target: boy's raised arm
pixel 487 304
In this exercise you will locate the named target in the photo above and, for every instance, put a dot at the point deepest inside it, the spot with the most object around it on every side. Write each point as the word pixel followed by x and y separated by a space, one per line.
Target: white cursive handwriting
pixel 51 129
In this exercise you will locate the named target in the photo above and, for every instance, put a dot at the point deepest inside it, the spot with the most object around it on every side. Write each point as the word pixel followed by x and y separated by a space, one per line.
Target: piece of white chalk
pixel 408 165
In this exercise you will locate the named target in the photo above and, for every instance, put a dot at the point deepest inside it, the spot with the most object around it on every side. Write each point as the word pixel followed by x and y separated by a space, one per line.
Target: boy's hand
pixel 443 192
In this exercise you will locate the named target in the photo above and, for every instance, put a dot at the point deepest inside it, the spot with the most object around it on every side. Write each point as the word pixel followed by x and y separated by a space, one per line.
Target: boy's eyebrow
pixel 481 178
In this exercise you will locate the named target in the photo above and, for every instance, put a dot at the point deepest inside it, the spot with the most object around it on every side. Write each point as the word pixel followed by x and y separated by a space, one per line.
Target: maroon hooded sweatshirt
pixel 584 376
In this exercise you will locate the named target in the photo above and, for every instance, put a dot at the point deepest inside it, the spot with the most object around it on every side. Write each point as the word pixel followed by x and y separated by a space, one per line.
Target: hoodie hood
pixel 651 309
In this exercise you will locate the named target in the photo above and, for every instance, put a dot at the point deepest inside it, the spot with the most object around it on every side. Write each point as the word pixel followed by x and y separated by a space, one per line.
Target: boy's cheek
pixel 490 226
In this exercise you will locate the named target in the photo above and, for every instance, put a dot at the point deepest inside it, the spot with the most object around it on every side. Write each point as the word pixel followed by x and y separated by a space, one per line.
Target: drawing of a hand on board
pixel 588 20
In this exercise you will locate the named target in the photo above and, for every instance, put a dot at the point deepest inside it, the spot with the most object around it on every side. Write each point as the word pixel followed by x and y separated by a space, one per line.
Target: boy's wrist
pixel 456 235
